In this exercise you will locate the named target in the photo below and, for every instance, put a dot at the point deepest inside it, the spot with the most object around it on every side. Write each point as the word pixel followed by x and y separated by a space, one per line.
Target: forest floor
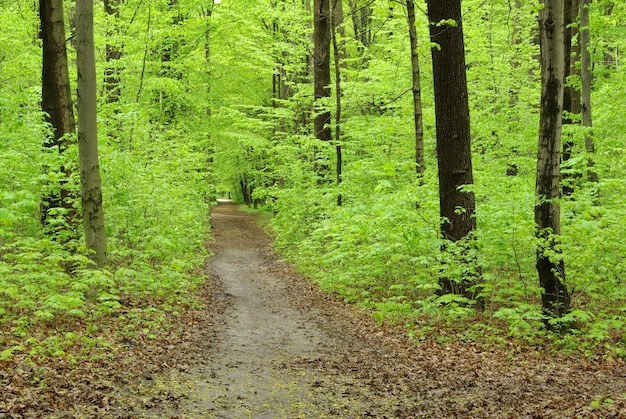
pixel 267 343
pixel 283 349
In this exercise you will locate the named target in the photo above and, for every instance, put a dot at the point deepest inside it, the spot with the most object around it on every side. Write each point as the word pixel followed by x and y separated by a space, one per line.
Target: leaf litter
pixel 267 342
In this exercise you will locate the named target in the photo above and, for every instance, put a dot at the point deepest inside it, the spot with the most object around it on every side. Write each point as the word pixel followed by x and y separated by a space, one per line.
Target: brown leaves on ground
pixel 470 379
pixel 455 379
pixel 90 381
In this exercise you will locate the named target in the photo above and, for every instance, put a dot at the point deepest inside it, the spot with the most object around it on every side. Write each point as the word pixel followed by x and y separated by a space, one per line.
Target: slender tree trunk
pixel 321 68
pixel 586 78
pixel 555 297
pixel 208 13
pixel 56 97
pixel 337 22
pixel 575 97
pixel 569 92
pixel 417 90
pixel 610 57
pixel 91 189
pixel 113 53
pixel 361 14
pixel 457 206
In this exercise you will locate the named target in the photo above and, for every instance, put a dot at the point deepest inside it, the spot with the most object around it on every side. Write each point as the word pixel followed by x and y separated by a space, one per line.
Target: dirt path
pixel 282 349
pixel 271 351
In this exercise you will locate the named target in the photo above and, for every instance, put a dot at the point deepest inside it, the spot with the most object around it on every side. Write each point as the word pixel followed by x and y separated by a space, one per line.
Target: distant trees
pixel 586 77
pixel 113 51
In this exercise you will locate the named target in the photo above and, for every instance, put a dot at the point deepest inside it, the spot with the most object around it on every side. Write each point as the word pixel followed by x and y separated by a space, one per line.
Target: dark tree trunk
pixel 246 190
pixel 337 22
pixel 586 79
pixel 321 68
pixel 417 90
pixel 555 297
pixel 457 207
pixel 56 97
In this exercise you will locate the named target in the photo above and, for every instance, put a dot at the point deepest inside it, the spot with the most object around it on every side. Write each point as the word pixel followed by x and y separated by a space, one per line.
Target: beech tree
pixel 456 205
pixel 90 181
pixel 550 266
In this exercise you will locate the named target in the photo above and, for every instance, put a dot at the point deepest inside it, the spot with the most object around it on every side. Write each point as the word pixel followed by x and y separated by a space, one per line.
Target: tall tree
pixel 56 97
pixel 586 77
pixel 555 297
pixel 321 68
pixel 417 89
pixel 90 181
pixel 338 54
pixel 454 158
pixel 571 95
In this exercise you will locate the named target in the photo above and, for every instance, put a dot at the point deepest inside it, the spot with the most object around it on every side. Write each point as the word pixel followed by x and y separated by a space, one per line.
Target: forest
pixel 458 174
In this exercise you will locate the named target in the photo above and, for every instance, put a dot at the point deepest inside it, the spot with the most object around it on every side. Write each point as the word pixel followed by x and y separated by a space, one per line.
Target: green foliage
pixel 154 153
pixel 381 249
pixel 198 91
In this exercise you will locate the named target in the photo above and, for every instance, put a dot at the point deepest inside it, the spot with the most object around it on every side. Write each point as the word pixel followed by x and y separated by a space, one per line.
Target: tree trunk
pixel 570 94
pixel 321 68
pixel 337 22
pixel 586 78
pixel 457 207
pixel 555 297
pixel 417 90
pixel 56 97
pixel 113 53
pixel 91 189
pixel 361 14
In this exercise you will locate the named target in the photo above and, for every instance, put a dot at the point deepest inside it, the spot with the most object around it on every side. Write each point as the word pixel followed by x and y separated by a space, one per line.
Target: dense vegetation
pixel 156 189
pixel 215 99
pixel 381 247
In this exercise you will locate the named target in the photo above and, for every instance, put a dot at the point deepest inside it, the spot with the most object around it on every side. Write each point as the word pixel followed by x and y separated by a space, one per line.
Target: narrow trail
pixel 276 347
pixel 271 351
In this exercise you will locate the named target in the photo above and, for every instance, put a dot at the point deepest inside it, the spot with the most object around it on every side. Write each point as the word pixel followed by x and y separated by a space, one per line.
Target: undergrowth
pixel 381 250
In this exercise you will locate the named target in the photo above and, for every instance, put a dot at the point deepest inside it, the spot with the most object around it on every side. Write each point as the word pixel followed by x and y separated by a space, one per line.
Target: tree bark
pixel 321 68
pixel 570 94
pixel 586 79
pixel 56 97
pixel 417 90
pixel 361 14
pixel 91 189
pixel 457 207
pixel 337 22
pixel 555 297
pixel 113 53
